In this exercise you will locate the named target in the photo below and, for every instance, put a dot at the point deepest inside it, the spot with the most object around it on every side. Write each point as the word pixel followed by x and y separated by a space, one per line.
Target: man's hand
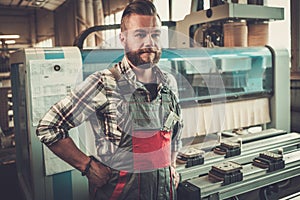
pixel 175 177
pixel 98 174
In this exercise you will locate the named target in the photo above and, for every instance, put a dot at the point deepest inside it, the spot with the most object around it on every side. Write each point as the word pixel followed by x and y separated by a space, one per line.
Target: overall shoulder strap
pixel 172 117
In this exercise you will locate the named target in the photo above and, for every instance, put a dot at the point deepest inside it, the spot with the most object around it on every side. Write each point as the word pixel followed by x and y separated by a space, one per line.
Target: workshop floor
pixel 9 187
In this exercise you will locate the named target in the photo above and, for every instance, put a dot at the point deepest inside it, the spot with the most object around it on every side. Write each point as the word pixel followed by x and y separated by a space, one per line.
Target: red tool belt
pixel 151 149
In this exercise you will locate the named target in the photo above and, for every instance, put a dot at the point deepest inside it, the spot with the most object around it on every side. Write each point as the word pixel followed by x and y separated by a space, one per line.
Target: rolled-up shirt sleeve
pixel 72 110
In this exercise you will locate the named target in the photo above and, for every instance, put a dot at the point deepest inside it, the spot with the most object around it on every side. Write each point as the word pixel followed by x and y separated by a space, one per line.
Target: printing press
pixel 220 90
pixel 259 161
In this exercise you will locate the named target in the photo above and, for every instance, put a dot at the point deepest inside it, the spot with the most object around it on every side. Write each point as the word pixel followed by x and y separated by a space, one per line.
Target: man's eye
pixel 155 36
pixel 140 35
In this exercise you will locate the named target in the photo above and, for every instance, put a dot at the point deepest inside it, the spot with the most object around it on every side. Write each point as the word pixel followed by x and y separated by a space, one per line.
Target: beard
pixel 135 57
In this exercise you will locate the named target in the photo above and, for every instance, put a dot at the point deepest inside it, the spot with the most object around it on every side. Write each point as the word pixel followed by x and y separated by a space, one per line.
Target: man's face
pixel 141 40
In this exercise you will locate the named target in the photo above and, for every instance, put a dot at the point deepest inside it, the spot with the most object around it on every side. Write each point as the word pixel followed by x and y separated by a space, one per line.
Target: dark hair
pixel 140 7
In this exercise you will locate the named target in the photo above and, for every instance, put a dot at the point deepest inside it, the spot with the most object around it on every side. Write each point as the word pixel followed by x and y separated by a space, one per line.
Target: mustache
pixel 148 50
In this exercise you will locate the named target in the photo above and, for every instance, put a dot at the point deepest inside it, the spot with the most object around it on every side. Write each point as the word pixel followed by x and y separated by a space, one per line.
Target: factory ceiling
pixel 109 6
pixel 46 4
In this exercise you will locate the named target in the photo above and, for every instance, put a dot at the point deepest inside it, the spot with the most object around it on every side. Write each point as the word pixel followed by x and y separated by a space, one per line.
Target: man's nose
pixel 149 41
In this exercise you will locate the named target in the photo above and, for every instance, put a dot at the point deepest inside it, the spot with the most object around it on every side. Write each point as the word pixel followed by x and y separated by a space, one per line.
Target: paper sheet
pixel 50 81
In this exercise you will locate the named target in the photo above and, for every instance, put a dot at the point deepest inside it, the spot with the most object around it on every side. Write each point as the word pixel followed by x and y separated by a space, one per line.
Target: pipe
pixel 98 20
pixel 81 16
pixel 90 21
pixel 170 10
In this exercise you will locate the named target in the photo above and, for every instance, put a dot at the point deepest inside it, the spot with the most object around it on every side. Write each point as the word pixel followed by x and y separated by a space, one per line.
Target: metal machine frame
pixel 30 158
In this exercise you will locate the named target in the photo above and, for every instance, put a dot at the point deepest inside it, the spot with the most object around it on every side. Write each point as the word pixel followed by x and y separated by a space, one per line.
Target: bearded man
pixel 134 111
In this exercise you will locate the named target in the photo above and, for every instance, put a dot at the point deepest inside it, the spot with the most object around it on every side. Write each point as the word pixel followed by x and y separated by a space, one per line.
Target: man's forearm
pixel 69 152
pixel 66 149
pixel 173 158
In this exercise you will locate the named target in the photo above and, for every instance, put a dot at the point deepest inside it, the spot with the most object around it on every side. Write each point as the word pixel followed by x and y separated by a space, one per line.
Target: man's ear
pixel 122 38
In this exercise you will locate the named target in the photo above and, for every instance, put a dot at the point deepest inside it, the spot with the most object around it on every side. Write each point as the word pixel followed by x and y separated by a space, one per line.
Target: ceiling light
pixel 9 36
pixel 9 42
pixel 36 3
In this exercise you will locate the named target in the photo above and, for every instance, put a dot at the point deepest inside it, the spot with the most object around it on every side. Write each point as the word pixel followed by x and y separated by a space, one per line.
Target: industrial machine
pixel 220 89
pixel 39 78
pixel 242 166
